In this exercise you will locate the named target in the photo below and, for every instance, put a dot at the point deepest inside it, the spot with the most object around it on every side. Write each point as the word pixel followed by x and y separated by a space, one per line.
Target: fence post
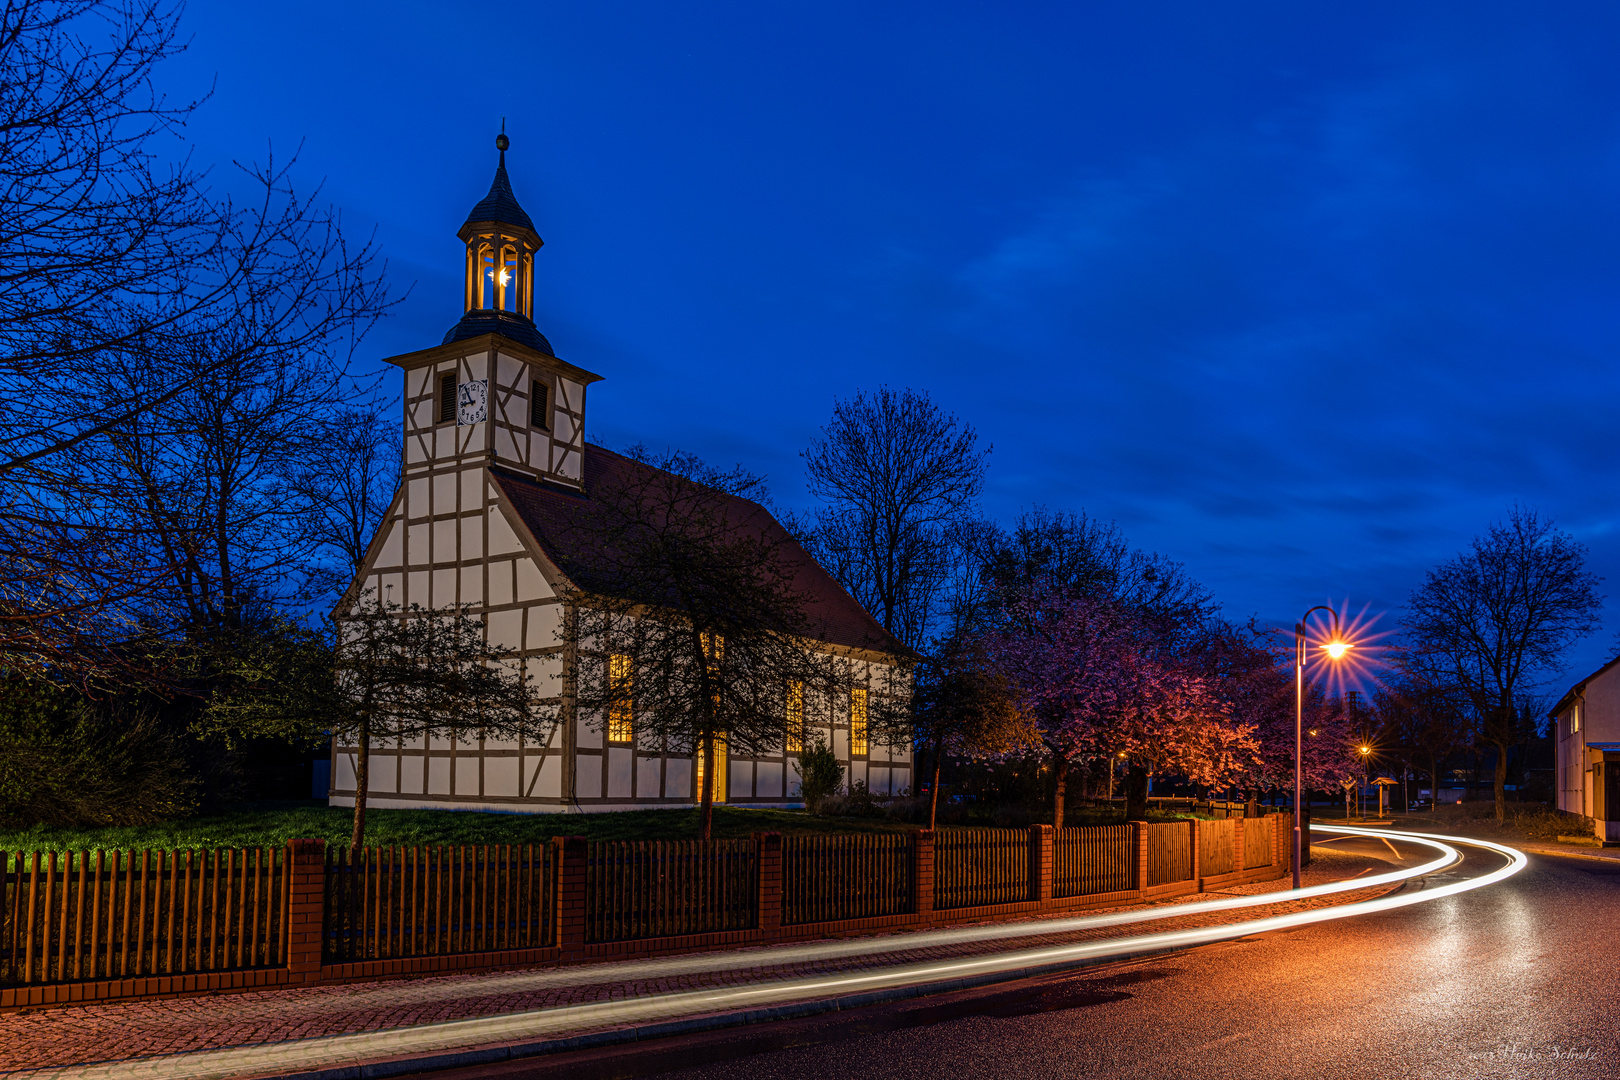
pixel 1139 856
pixel 1040 862
pixel 568 856
pixel 1198 853
pixel 768 905
pixel 306 909
pixel 922 875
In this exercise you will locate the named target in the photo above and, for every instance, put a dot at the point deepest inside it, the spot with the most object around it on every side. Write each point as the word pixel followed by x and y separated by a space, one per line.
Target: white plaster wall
pixel 768 779
pixel 542 777
pixel 646 777
pixel 588 778
pixel 621 765
pixel 501 777
pixel 678 778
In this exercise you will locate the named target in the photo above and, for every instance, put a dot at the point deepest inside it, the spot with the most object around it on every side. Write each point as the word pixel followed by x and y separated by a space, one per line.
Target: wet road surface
pixel 1517 979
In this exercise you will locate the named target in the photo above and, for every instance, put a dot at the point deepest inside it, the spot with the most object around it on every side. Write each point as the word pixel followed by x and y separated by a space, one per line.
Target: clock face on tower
pixel 472 403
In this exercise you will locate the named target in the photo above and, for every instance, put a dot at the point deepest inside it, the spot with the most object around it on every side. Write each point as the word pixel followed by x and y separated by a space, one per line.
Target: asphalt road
pixel 1517 979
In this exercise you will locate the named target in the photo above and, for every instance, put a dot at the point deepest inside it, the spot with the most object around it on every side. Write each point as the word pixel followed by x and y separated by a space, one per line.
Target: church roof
pixel 555 517
pixel 506 323
pixel 500 204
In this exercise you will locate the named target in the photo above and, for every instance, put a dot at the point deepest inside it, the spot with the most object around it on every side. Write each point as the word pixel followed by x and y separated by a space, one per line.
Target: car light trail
pixel 646 1016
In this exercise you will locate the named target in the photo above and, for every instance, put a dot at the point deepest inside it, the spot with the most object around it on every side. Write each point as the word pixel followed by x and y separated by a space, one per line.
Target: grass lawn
pixel 273 824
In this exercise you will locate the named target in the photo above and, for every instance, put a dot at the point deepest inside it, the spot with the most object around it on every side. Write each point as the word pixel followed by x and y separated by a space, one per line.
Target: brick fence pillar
pixel 768 905
pixel 922 874
pixel 306 909
pixel 1139 862
pixel 568 856
pixel 1041 859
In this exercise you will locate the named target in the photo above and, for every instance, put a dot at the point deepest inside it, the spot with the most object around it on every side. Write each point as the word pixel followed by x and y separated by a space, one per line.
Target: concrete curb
pixel 1566 854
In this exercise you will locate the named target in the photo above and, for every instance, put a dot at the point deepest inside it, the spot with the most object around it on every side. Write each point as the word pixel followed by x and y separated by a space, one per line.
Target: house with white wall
pixel 1586 738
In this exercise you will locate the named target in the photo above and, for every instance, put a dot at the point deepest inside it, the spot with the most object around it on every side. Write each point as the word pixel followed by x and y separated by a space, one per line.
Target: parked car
pixel 1421 804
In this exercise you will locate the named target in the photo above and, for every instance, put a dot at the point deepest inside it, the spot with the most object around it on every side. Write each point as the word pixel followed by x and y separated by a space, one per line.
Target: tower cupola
pixel 500 247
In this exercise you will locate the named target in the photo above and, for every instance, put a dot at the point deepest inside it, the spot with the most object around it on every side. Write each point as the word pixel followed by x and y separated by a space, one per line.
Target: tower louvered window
pixel 447 398
pixel 537 405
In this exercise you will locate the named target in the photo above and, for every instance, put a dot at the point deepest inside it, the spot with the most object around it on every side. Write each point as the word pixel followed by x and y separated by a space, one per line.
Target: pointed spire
pixel 500 204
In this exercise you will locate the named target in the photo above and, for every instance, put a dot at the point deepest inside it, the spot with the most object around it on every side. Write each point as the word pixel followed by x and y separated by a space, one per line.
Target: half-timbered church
pixel 495 460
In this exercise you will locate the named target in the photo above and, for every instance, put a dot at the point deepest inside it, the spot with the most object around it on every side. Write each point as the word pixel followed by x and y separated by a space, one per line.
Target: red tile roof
pixel 548 511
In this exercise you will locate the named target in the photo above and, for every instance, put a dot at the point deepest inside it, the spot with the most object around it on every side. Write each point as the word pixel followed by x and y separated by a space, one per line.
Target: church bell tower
pixel 493 392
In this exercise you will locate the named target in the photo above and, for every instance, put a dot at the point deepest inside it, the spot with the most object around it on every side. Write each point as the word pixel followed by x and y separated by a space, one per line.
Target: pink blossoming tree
pixel 1093 681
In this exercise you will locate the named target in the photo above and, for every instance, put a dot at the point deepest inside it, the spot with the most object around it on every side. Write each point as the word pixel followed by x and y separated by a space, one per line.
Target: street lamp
pixel 1335 648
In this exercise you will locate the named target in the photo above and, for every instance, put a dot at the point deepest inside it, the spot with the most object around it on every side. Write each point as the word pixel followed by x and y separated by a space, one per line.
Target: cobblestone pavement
pixel 80 1035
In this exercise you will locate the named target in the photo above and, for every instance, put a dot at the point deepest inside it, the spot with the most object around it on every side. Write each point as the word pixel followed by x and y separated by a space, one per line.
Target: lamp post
pixel 1366 761
pixel 1335 649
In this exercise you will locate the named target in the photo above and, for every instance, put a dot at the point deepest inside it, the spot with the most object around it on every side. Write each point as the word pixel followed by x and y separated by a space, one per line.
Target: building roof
pixel 508 324
pixel 553 515
pixel 1579 688
pixel 500 204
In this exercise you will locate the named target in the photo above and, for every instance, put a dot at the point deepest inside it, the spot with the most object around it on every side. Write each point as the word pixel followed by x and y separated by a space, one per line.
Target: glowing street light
pixel 1335 648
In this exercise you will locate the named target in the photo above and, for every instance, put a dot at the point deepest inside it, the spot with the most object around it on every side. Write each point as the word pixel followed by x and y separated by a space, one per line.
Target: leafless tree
pixel 894 472
pixel 381 672
pixel 1078 554
pixel 131 294
pixel 1495 623
pixel 348 479
pixel 686 577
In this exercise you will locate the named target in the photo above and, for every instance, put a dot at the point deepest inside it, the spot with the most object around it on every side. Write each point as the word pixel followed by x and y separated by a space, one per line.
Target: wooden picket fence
pixel 1169 852
pixel 973 867
pixel 1215 852
pixel 1094 860
pixel 116 914
pixel 654 888
pixel 383 903
pixel 1258 838
pixel 827 878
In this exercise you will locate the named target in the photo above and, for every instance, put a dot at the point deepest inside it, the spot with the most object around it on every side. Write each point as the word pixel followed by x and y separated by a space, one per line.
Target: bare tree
pixel 895 472
pixel 692 627
pixel 381 672
pixel 348 479
pixel 1075 554
pixel 127 284
pixel 1496 622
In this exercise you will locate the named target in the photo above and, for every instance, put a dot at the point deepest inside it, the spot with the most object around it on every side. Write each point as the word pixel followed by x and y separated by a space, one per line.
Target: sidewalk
pixel 413 1021
pixel 1415 824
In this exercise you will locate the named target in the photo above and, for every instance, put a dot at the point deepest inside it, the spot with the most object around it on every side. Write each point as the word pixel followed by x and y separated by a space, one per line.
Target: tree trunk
pixel 933 802
pixel 1501 783
pixel 1434 784
pixel 1060 768
pixel 706 814
pixel 1136 792
pixel 362 779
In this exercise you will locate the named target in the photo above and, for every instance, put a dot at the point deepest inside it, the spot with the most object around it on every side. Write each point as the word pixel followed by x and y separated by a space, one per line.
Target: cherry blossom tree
pixel 1087 674
pixel 1249 668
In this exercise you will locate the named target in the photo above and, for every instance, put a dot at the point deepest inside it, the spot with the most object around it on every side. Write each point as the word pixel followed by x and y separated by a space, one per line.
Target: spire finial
pixel 502 142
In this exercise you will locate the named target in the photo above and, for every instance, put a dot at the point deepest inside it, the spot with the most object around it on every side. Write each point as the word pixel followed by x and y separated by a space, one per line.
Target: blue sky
pixel 1303 296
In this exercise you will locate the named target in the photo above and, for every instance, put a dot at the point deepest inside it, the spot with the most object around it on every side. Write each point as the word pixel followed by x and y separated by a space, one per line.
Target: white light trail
pixel 756 1001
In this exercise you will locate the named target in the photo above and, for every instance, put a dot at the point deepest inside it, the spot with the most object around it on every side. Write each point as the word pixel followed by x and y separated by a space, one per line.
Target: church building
pixel 495 460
